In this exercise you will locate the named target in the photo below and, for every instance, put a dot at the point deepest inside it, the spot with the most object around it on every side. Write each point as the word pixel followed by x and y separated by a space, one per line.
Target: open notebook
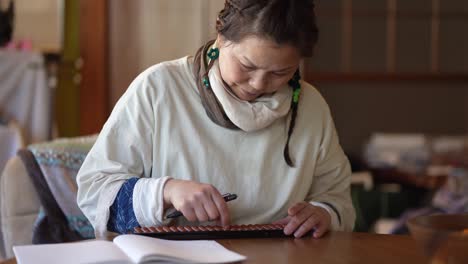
pixel 127 249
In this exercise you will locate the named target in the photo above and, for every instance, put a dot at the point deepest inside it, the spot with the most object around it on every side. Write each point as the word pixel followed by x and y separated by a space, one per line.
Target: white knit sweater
pixel 159 129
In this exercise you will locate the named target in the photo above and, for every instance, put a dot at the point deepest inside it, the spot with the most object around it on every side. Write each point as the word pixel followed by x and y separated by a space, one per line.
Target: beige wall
pixel 146 32
pixel 39 21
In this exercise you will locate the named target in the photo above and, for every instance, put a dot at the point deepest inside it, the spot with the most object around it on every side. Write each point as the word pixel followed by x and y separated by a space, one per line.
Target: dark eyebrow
pixel 253 65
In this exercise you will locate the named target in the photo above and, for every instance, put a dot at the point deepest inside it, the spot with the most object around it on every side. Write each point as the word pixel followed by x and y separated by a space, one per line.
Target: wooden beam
pixel 94 44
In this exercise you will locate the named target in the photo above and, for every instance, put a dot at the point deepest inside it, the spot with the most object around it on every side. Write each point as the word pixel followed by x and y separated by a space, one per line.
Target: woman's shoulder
pixel 168 69
pixel 311 98
pixel 157 80
pixel 163 77
pixel 314 116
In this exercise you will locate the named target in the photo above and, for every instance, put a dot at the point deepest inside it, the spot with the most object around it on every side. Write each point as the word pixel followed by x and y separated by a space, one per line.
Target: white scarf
pixel 250 116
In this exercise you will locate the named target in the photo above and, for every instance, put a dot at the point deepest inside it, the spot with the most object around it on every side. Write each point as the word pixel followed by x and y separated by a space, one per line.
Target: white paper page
pixel 140 248
pixel 95 251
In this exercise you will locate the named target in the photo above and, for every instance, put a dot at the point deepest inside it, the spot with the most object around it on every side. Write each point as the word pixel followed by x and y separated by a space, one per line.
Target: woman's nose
pixel 258 82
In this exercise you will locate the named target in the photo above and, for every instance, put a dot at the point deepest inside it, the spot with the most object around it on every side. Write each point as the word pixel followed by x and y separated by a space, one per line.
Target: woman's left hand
pixel 303 217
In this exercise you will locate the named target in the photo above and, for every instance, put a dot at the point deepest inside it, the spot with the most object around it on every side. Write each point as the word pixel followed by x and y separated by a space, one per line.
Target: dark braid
pixel 296 86
pixel 292 124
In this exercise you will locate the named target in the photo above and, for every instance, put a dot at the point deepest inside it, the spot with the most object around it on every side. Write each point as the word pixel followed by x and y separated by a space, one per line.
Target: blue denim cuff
pixel 122 218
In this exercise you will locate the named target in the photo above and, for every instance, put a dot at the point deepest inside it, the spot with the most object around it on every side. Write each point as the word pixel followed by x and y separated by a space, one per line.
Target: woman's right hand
pixel 196 201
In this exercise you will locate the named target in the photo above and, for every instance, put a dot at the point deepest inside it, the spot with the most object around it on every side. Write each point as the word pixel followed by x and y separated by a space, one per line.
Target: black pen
pixel 227 197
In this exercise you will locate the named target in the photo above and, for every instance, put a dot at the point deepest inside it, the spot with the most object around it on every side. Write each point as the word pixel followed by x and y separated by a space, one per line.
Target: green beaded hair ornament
pixel 212 55
pixel 296 85
pixel 206 82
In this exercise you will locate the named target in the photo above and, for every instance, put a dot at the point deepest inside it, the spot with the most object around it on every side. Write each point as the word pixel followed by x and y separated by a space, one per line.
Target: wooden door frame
pixel 94 46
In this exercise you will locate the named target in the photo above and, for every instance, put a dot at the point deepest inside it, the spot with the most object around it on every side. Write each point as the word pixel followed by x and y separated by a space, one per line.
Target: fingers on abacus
pixel 308 225
pixel 303 216
pixel 211 210
pixel 306 213
pixel 293 225
pixel 299 219
pixel 201 214
pixel 189 213
pixel 223 209
pixel 320 230
pixel 214 204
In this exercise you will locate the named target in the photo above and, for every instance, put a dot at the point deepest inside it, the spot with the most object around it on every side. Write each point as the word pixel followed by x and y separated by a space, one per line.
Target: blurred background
pixel 394 72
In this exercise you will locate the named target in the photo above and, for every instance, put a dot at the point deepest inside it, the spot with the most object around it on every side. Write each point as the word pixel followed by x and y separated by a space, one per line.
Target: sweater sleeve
pixel 123 150
pixel 332 179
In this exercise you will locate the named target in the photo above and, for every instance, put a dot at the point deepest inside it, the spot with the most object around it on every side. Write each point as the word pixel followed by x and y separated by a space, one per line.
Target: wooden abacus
pixel 212 232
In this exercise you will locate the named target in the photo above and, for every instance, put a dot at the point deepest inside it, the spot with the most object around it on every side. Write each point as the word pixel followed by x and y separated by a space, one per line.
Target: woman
pixel 236 118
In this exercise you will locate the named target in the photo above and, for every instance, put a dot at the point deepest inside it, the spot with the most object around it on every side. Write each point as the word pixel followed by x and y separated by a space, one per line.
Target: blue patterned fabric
pixel 59 161
pixel 122 217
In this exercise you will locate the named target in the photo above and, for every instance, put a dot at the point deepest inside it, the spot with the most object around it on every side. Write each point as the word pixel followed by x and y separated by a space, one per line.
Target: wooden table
pixel 336 247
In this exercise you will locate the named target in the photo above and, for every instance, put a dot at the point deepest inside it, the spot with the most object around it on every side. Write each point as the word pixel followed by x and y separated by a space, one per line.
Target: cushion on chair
pixel 59 161
pixel 52 225
pixel 53 167
pixel 19 206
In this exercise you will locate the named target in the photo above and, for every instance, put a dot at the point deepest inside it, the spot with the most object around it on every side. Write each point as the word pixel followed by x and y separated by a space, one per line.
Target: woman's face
pixel 256 66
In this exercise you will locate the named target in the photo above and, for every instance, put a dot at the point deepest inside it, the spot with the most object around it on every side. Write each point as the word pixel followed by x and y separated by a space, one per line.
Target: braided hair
pixel 290 22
